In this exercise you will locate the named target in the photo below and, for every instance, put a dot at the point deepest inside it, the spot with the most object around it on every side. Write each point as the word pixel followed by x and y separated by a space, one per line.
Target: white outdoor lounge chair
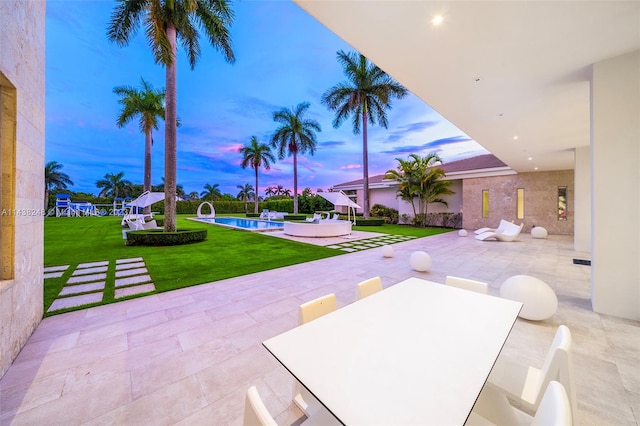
pixel 316 218
pixel 509 233
pixel 483 230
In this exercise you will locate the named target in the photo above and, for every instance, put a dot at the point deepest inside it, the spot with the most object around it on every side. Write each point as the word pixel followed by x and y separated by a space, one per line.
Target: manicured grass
pixel 227 253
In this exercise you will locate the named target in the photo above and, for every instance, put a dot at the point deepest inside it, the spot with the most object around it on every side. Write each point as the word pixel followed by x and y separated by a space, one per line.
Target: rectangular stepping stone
pixel 129 265
pixel 73 301
pixel 86 278
pixel 53 275
pixel 56 268
pixel 90 270
pixel 348 249
pixel 133 259
pixel 82 288
pixel 333 247
pixel 129 272
pixel 136 289
pixel 92 264
pixel 132 280
pixel 361 247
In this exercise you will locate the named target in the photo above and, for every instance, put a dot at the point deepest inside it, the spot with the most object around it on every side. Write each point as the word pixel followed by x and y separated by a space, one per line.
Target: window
pixel 8 114
pixel 562 203
pixel 520 203
pixel 485 203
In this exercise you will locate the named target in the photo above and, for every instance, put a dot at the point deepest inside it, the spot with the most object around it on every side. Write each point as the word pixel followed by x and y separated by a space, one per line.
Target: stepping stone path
pixel 87 282
pixel 368 243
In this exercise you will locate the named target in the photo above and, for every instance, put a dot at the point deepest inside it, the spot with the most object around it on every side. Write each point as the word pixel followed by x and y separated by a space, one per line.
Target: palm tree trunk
pixel 365 165
pixel 255 208
pixel 147 165
pixel 170 137
pixel 295 182
pixel 46 199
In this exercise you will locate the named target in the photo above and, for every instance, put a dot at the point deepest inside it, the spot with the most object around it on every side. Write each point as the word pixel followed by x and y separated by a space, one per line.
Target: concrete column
pixel 615 183
pixel 582 200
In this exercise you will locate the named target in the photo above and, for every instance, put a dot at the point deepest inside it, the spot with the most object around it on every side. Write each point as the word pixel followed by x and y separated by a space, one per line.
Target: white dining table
pixel 416 353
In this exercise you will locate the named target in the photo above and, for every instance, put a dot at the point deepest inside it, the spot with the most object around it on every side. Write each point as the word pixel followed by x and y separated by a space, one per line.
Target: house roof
pixel 468 167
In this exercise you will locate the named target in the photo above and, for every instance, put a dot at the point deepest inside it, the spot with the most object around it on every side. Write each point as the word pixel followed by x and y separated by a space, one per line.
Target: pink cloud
pixel 232 148
pixel 350 166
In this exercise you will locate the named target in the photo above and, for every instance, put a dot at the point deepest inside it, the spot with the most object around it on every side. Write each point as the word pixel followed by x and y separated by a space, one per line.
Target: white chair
pixel 308 312
pixel 152 224
pixel 554 410
pixel 316 218
pixel 368 287
pixel 509 233
pixel 525 384
pixel 467 284
pixel 317 308
pixel 500 227
pixel 255 412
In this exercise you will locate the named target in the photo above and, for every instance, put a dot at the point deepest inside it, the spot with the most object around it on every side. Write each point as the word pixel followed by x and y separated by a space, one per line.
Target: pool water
pixel 254 225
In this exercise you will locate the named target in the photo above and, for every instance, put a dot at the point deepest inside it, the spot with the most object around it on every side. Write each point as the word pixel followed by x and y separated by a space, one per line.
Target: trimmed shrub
pixel 253 214
pixel 295 217
pixel 390 215
pixel 369 222
pixel 156 237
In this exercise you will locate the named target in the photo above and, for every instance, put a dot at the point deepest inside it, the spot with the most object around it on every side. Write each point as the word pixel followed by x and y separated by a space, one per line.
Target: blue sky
pixel 283 57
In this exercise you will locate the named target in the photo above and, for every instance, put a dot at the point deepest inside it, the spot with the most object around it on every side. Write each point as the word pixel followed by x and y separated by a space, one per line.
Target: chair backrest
pixel 368 287
pixel 317 308
pixel 558 366
pixel 63 200
pixel 135 225
pixel 467 284
pixel 555 408
pixel 336 216
pixel 152 224
pixel 255 412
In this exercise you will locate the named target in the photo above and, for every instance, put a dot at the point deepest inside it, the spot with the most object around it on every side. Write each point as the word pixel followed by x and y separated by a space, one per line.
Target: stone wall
pixel 540 200
pixel 22 108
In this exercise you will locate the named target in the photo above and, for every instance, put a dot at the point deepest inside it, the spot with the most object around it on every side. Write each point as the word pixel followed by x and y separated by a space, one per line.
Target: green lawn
pixel 226 253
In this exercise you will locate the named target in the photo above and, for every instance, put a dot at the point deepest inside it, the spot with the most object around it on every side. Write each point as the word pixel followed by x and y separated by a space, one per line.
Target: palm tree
pixel 113 185
pixel 211 191
pixel 54 179
pixel 365 97
pixel 279 190
pixel 270 191
pixel 166 22
pixel 147 105
pixel 193 196
pixel 420 178
pixel 286 193
pixel 296 134
pixel 255 155
pixel 245 194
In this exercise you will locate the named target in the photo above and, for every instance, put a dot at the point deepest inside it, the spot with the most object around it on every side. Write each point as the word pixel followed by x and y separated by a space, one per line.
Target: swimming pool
pixel 253 225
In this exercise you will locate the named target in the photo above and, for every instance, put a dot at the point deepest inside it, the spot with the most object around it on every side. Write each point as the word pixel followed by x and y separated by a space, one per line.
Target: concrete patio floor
pixel 187 356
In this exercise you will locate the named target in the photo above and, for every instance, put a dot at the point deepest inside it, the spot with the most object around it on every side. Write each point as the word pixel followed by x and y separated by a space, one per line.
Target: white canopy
pixel 338 199
pixel 147 198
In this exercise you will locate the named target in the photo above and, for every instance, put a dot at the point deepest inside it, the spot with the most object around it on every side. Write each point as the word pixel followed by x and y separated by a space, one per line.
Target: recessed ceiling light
pixel 530 158
pixel 535 168
pixel 515 138
pixel 437 20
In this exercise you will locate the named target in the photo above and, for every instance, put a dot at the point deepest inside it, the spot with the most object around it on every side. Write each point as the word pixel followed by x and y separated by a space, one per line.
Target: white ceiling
pixel 532 59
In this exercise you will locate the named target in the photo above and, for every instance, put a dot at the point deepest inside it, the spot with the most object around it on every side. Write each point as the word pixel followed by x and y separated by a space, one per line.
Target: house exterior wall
pixel 22 84
pixel 540 200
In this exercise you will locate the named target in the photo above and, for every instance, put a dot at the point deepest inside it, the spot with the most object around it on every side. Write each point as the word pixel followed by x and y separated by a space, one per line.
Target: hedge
pixel 156 237
pixel 369 222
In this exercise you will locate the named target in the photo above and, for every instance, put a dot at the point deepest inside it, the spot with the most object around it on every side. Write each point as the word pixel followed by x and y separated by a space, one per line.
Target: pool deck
pixel 188 356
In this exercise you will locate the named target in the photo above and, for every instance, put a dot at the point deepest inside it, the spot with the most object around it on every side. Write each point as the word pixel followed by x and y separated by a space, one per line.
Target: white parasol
pixel 339 198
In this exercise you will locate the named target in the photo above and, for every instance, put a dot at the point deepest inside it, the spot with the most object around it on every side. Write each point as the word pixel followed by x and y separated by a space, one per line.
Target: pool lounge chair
pixel 509 233
pixel 316 218
pixel 483 230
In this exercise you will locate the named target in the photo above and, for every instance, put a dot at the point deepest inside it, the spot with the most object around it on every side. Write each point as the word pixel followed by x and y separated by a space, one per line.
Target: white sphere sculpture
pixel 538 299
pixel 387 251
pixel 539 232
pixel 462 232
pixel 420 261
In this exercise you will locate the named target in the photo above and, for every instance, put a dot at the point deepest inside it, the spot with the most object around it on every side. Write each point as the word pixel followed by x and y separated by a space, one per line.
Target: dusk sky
pixel 283 57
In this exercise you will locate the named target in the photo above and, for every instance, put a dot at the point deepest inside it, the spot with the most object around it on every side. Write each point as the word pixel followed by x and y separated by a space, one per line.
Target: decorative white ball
pixel 462 232
pixel 420 261
pixel 539 232
pixel 387 251
pixel 538 299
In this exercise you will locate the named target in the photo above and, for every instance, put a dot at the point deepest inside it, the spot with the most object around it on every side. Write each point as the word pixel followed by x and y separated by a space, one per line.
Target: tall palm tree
pixel 113 185
pixel 165 23
pixel 279 190
pixel 147 105
pixel 270 191
pixel 245 194
pixel 54 179
pixel 211 191
pixel 365 97
pixel 256 155
pixel 296 134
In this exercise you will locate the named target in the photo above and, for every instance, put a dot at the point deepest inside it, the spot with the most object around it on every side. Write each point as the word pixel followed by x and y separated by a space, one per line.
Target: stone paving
pixel 369 243
pixel 89 281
